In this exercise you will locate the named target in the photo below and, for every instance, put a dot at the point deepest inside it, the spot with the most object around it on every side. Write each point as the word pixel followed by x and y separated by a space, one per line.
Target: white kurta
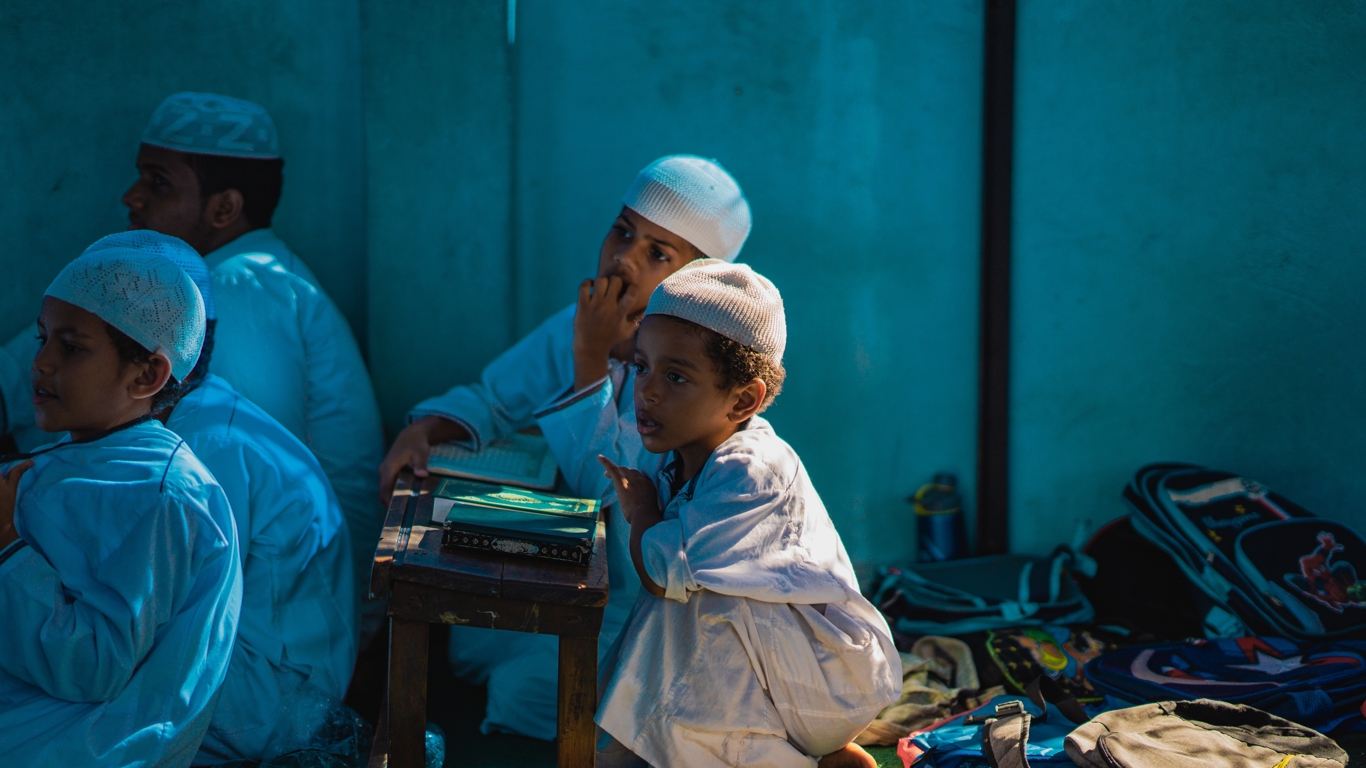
pixel 762 652
pixel 296 641
pixel 118 604
pixel 532 384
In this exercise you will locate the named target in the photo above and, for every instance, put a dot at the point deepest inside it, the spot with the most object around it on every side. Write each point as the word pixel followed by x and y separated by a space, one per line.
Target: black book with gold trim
pixel 514 521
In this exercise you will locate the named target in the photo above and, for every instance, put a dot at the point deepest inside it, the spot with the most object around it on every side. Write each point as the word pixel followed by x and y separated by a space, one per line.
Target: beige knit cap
pixel 696 199
pixel 731 299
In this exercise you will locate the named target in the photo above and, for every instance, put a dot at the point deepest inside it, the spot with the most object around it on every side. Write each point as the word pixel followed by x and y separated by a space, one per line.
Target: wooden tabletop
pixel 410 551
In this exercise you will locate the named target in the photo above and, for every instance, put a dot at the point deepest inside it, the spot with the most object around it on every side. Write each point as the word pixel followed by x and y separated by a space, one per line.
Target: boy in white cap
pixel 210 173
pixel 570 371
pixel 296 640
pixel 750 643
pixel 119 576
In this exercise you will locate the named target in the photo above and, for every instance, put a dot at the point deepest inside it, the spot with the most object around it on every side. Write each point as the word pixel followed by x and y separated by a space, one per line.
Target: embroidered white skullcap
pixel 210 124
pixel 696 199
pixel 173 248
pixel 137 288
pixel 731 299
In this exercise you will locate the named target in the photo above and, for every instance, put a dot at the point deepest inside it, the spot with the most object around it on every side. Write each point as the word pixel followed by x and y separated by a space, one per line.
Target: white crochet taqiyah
pixel 731 299
pixel 696 199
pixel 142 293
pixel 213 124
pixel 173 248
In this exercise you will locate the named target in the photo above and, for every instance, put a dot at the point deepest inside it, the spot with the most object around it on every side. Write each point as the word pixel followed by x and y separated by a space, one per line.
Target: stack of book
pixel 501 517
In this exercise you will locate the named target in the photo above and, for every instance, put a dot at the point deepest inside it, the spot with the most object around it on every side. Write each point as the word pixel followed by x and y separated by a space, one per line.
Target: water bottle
pixel 939 520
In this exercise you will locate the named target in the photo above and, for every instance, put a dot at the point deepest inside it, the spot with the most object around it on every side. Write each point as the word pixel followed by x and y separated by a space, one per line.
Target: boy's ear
pixel 151 378
pixel 749 399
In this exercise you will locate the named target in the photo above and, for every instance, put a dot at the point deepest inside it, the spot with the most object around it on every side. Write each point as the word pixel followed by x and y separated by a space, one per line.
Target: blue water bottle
pixel 939 520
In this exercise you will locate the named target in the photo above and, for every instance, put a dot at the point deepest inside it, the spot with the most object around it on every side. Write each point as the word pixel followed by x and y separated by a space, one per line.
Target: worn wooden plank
pixel 546 581
pixel 577 701
pixel 382 568
pixel 407 693
pixel 425 562
pixel 421 602
pixel 379 750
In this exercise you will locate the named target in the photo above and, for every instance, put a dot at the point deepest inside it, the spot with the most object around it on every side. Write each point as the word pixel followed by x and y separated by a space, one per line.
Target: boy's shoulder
pixel 755 457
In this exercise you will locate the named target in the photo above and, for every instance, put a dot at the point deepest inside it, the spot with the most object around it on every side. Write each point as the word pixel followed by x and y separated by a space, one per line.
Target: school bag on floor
pixel 1318 684
pixel 982 593
pixel 1201 732
pixel 1265 564
pixel 1007 732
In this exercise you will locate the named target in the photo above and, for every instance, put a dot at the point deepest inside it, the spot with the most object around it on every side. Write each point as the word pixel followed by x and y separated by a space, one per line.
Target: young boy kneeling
pixel 750 643
pixel 119 577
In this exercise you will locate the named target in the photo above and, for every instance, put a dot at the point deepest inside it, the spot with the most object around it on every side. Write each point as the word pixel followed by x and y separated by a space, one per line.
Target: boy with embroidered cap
pixel 296 640
pixel 210 173
pixel 750 643
pixel 566 374
pixel 119 576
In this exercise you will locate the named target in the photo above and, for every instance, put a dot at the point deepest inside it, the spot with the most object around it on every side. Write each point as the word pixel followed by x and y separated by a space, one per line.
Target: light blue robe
pixel 532 384
pixel 118 605
pixel 296 641
pixel 283 345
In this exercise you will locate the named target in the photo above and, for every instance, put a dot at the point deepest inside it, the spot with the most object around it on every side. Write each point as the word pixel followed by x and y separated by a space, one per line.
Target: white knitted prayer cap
pixel 696 199
pixel 731 299
pixel 142 292
pixel 173 248
pixel 213 124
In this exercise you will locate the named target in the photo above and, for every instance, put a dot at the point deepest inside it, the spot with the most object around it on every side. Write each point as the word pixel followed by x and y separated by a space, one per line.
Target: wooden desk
pixel 427 585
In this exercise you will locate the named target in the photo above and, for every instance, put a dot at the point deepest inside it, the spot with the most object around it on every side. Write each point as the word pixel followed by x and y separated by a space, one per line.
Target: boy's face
pixel 79 383
pixel 165 198
pixel 678 404
pixel 642 254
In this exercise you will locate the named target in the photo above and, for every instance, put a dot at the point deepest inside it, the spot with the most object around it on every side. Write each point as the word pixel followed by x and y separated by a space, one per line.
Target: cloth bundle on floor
pixel 939 680
pixel 1201 732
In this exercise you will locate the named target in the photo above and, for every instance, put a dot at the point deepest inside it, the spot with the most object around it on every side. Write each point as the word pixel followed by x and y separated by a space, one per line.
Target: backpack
pixel 1321 685
pixel 1264 564
pixel 1006 732
pixel 955 597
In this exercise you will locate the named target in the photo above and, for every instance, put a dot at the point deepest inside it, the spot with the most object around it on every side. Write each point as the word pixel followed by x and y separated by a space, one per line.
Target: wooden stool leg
pixel 407 693
pixel 578 701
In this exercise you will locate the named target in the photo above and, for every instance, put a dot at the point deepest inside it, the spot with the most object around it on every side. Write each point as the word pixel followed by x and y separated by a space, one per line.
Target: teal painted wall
pixel 1188 235
pixel 1188 251
pixel 79 80
pixel 852 127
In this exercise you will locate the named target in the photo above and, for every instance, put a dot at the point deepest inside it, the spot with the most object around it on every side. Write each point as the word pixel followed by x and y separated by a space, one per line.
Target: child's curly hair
pixel 737 364
pixel 131 352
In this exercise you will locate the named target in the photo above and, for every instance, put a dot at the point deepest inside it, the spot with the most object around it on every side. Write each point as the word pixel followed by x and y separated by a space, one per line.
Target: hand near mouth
pixel 606 316
pixel 9 498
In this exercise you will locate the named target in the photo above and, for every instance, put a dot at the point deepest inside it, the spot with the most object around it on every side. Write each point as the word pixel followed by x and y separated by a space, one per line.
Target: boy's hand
pixel 636 493
pixel 9 498
pixel 413 447
pixel 602 321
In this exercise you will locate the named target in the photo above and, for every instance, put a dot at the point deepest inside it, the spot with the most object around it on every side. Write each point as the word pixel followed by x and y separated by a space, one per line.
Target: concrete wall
pixel 78 81
pixel 853 128
pixel 1189 251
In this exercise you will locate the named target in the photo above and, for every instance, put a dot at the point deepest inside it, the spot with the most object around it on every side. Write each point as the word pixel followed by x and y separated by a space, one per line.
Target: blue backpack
pixel 956 597
pixel 1264 564
pixel 1320 685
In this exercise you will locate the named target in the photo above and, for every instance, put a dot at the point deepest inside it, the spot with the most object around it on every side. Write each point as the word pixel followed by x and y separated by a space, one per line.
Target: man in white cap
pixel 210 173
pixel 120 582
pixel 678 209
pixel 296 640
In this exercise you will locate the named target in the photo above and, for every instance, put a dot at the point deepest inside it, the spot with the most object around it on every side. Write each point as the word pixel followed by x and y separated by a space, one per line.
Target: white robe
pixel 118 604
pixel 296 640
pixel 762 652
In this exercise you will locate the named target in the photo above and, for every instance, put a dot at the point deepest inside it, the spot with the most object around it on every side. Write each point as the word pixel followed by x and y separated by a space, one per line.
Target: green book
pixel 516 521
